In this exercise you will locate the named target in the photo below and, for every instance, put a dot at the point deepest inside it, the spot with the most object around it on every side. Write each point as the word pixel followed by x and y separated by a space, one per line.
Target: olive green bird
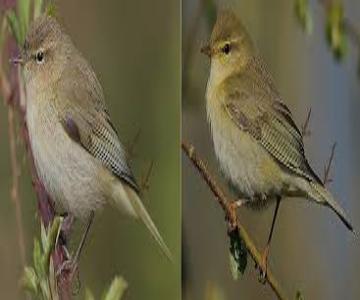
pixel 259 147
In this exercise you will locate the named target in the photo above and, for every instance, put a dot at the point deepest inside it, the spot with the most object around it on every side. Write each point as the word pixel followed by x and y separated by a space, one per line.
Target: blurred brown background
pixel 311 250
pixel 134 47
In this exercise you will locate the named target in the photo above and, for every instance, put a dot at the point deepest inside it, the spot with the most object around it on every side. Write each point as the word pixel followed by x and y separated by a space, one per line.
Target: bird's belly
pixel 69 173
pixel 250 169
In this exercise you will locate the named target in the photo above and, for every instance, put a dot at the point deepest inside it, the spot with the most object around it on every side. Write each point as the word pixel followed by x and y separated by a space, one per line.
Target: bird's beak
pixel 17 60
pixel 206 50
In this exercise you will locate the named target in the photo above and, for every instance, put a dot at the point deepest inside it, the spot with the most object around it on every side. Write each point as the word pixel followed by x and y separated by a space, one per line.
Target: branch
pixel 231 216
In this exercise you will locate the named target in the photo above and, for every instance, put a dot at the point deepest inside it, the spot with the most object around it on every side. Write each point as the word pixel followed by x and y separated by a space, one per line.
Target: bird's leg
pixel 71 265
pixel 265 255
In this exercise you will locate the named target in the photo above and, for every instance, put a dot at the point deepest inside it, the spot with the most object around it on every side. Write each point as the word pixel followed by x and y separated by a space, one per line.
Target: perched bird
pixel 76 150
pixel 258 145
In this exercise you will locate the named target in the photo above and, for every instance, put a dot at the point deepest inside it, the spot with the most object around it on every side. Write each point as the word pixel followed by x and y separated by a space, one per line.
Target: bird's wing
pixel 84 117
pixel 259 111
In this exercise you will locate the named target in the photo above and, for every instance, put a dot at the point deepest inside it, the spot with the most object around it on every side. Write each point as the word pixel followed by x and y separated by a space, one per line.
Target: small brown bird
pixel 259 147
pixel 76 150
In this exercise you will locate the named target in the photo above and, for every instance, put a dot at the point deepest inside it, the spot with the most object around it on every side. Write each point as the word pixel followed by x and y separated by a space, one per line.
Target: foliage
pixel 40 279
pixel 303 14
pixel 335 30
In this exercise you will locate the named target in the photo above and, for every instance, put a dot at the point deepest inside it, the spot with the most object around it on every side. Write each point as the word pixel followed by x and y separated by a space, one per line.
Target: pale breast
pixel 68 172
pixel 249 168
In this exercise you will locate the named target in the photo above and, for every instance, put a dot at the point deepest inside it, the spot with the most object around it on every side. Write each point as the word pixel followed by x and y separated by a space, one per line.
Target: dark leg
pixel 71 265
pixel 83 238
pixel 265 255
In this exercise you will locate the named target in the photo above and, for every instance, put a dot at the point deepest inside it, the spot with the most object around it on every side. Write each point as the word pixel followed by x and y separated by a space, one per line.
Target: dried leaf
pixel 238 254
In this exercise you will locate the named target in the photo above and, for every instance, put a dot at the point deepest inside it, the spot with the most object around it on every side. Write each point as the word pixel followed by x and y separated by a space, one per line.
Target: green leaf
pixel 30 281
pixel 38 4
pixel 43 234
pixel 335 31
pixel 51 240
pixel 303 15
pixel 23 7
pixel 37 258
pixel 238 254
pixel 52 280
pixel 14 25
pixel 116 290
pixel 89 295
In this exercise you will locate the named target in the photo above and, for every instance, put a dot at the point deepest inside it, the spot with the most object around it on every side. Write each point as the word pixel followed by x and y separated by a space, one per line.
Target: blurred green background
pixel 311 250
pixel 134 47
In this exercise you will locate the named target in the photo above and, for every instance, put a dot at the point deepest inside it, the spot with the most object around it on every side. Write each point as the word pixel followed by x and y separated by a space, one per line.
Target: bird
pixel 76 150
pixel 257 143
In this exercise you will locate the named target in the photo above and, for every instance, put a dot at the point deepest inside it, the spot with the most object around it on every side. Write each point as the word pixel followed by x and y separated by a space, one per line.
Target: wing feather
pixel 258 110
pixel 84 117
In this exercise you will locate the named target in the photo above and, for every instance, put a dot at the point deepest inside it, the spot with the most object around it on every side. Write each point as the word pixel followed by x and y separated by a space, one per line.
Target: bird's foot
pixel 232 209
pixel 68 272
pixel 263 265
pixel 68 267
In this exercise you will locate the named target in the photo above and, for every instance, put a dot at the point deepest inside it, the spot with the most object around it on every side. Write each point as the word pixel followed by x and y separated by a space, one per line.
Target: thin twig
pixel 228 208
pixel 145 183
pixel 305 131
pixel 327 167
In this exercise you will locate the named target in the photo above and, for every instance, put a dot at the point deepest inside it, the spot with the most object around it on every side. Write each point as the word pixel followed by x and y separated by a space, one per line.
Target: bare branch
pixel 230 214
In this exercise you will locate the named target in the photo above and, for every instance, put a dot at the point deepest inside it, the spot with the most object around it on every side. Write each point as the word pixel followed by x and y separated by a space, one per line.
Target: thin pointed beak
pixel 206 50
pixel 17 60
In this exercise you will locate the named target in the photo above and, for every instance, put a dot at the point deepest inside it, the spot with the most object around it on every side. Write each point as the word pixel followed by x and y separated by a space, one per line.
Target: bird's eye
pixel 39 57
pixel 226 48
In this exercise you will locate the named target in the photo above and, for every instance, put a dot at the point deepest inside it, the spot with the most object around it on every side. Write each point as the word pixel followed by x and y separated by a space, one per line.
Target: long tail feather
pixel 127 199
pixel 320 194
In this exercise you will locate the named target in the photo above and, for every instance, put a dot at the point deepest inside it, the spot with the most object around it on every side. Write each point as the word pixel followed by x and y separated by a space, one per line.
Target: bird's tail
pixel 321 195
pixel 128 201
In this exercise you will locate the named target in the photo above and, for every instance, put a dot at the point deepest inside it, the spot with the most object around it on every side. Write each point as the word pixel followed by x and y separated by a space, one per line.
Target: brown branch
pixel 231 216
